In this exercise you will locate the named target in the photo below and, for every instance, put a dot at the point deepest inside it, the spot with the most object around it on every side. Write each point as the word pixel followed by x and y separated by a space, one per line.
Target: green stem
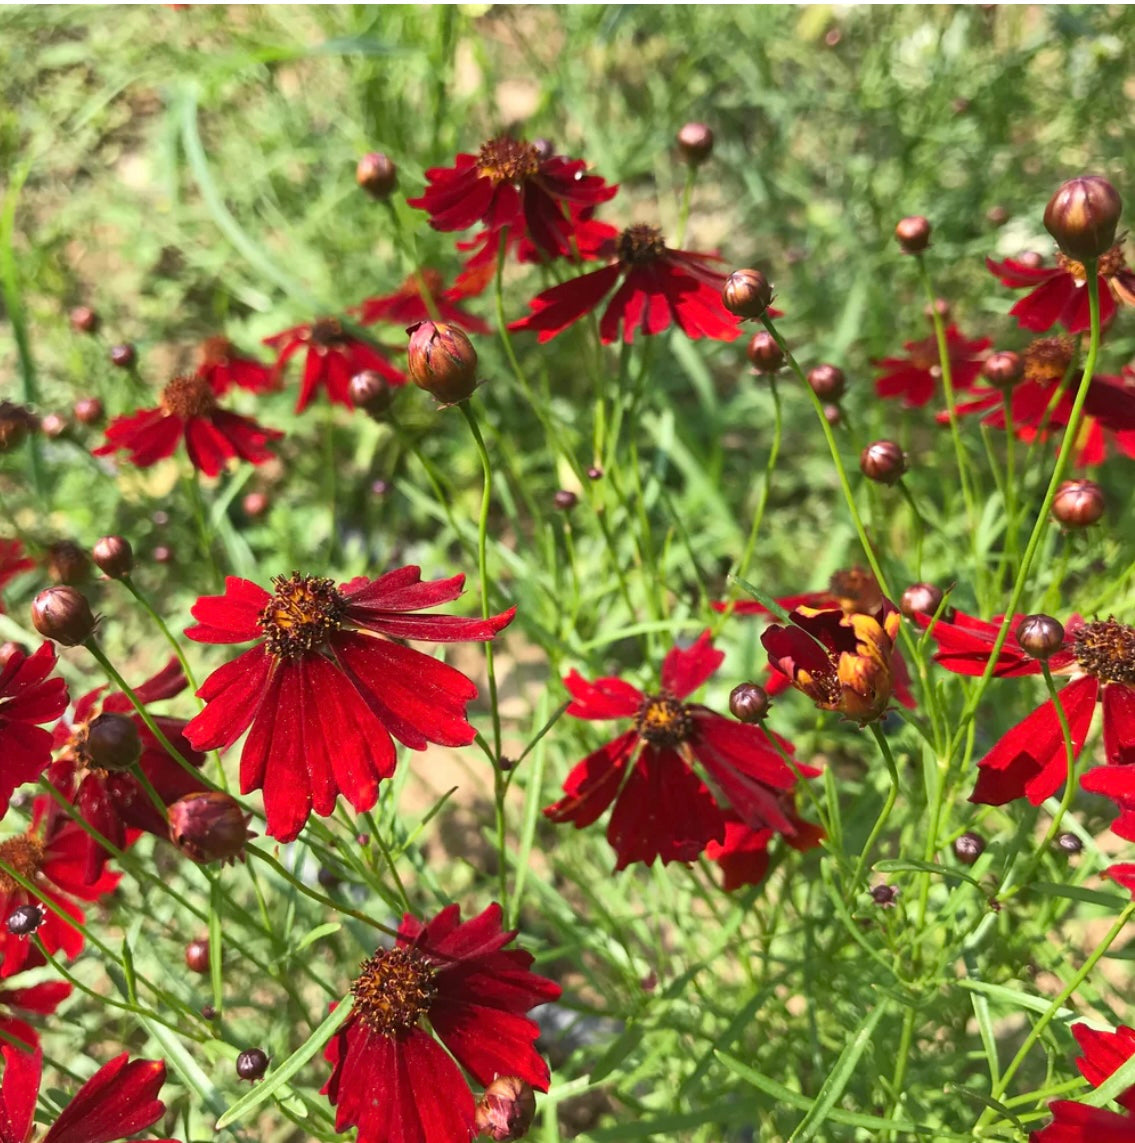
pixel 774 454
pixel 687 199
pixel 884 813
pixel 204 536
pixel 153 613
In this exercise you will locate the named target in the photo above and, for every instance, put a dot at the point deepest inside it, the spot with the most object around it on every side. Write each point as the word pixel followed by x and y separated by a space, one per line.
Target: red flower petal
pixel 120 1099
pixel 230 618
pixel 683 671
pixel 22 1071
pixel 1119 724
pixel 743 855
pixel 1103 1054
pixel 560 306
pixel 593 783
pixel 1078 1123
pixel 1043 308
pixel 603 699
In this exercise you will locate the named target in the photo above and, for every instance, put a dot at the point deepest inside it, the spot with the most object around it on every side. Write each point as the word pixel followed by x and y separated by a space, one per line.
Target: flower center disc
pixel 1048 358
pixel 508 160
pixel 640 244
pixel 24 854
pixel 394 988
pixel 663 721
pixel 1107 650
pixel 326 332
pixel 303 612
pixel 1109 264
pixel 187 397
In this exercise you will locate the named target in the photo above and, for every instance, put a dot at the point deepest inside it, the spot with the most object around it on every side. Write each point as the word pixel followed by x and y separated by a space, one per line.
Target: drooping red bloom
pixel 744 857
pixel 1057 293
pixel 675 775
pixel 321 694
pixel 13 560
pixel 28 698
pixel 333 358
pixel 188 411
pixel 37 999
pixel 120 1099
pixel 390 1077
pixel 657 287
pixel 408 306
pixel 51 855
pixel 509 184
pixel 113 801
pixel 916 377
pixel 223 366
pixel 1030 759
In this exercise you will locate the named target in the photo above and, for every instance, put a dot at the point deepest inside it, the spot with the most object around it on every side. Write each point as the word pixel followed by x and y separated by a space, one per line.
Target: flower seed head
pixel 969 847
pixel 83 319
pixel 67 562
pixel 370 392
pixel 749 702
pixel 883 462
pixel 1040 636
pixel 209 826
pixel 1082 216
pixel 197 956
pixel 376 174
pixel 88 410
pixel 1003 370
pixel 64 615
pixel 827 381
pixel 746 293
pixel 111 742
pixel 695 141
pixel 1078 503
pixel 24 921
pixel 913 234
pixel 113 556
pixel 763 352
pixel 442 361
pixel 922 599
pixel 123 356
pixel 506 1109
pixel 251 1064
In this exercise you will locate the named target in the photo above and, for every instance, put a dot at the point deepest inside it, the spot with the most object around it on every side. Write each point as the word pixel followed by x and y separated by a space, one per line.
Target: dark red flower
pixel 189 411
pixel 1058 294
pixel 224 366
pixel 27 699
pixel 916 377
pixel 38 999
pixel 333 358
pixel 1030 759
pixel 407 305
pixel 508 184
pixel 113 801
pixel 675 775
pixel 13 560
pixel 120 1099
pixel 392 1079
pixel 1104 1054
pixel 743 856
pixel 321 694
pixel 657 287
pixel 51 855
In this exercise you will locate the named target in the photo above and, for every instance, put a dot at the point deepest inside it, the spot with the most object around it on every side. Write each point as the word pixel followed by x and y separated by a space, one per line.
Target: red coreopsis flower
pixel 27 699
pixel 120 1099
pixel 103 788
pixel 333 358
pixel 36 999
pixel 916 377
pixel 677 773
pixel 657 287
pixel 13 560
pixel 1057 293
pixel 188 411
pixel 322 694
pixel 223 366
pixel 509 184
pixel 50 855
pixel 390 1078
pixel 408 304
pixel 1030 759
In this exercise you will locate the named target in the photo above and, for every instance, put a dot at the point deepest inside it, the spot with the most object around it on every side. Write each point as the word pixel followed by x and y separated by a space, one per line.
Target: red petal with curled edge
pixel 966 642
pixel 1104 1054
pixel 169 681
pixel 22 1072
pixel 1018 275
pixel 232 617
pixel 790 649
pixel 247 438
pixel 1117 783
pixel 1078 1123
pixel 742 856
pixel 683 671
pixel 593 783
pixel 42 999
pixel 120 1099
pixel 602 699
pixel 207 446
pixel 556 308
pixel 1043 308
pixel 149 435
pixel 314 374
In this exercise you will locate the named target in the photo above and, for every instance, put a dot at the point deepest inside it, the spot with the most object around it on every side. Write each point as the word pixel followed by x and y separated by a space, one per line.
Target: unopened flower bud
pixel 1003 370
pixel 209 826
pixel 883 462
pixel 746 293
pixel 24 921
pixel 1082 216
pixel 123 356
pixel 83 319
pixel 15 424
pixel 255 504
pixel 748 702
pixel 939 307
pixel 88 410
pixel 1040 636
pixel 506 1109
pixel 67 562
pixel 370 392
pixel 208 1012
pixel 51 425
pixel 442 361
pixel 695 141
pixel 1069 843
pixel 923 599
pixel 376 174
pixel 827 381
pixel 197 956
pixel 63 614
pixel 885 896
pixel 251 1064
pixel 764 353
pixel 544 148
pixel 114 556
pixel 595 473
pixel 162 554
pixel 833 414
pixel 111 742
pixel 1078 503
pixel 997 216
pixel 969 847
pixel 565 500
pixel 913 234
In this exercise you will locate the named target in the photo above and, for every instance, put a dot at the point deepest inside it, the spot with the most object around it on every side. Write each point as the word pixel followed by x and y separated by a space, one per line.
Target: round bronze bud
pixel 923 599
pixel 63 614
pixel 1040 636
pixel 913 234
pixel 113 556
pixel 749 702
pixel 1078 503
pixel 883 462
pixel 1082 216
pixel 969 847
pixel 1003 370
pixel 251 1064
pixel 376 174
pixel 746 293
pixel 197 955
pixel 764 353
pixel 123 356
pixel 83 319
pixel 88 411
pixel 370 392
pixel 695 142
pixel 442 361
pixel 828 382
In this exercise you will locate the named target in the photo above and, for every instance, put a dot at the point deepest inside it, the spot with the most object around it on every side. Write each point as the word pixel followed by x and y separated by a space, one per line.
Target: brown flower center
pixel 187 397
pixel 215 351
pixel 1110 264
pixel 640 244
pixel 395 987
pixel 24 854
pixel 663 721
pixel 326 333
pixel 303 612
pixel 857 591
pixel 1107 650
pixel 1048 358
pixel 507 160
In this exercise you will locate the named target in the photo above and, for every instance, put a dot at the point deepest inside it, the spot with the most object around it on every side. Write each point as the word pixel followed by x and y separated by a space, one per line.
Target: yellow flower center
pixel 507 160
pixel 304 610
pixel 394 989
pixel 1107 650
pixel 663 721
pixel 1048 358
pixel 24 854
pixel 187 397
pixel 640 244
pixel 1110 264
